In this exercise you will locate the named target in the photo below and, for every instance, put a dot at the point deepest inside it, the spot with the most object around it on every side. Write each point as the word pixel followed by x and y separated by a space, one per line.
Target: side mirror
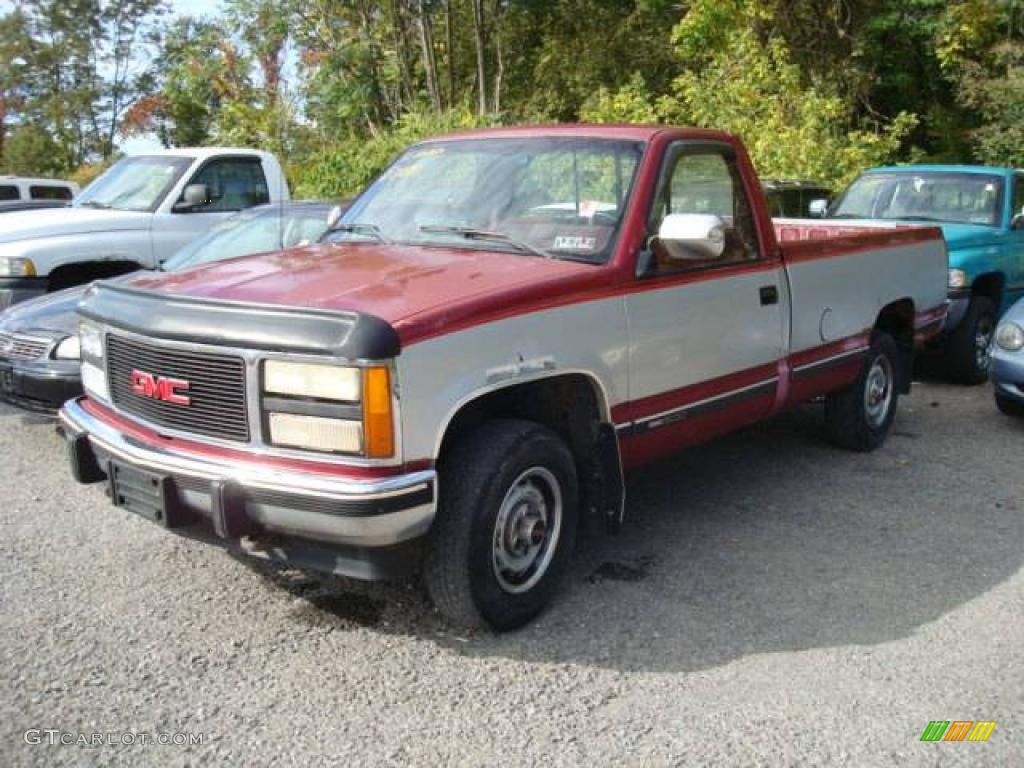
pixel 818 208
pixel 692 236
pixel 1017 222
pixel 335 215
pixel 194 196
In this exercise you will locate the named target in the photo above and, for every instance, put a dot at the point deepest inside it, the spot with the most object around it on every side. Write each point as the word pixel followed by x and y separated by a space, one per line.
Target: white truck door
pixel 233 183
pixel 706 336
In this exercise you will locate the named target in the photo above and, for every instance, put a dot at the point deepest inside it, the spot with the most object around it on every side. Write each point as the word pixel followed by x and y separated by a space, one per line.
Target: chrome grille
pixel 15 346
pixel 216 390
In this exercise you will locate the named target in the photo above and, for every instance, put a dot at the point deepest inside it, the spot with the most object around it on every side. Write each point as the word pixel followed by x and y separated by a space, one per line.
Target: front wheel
pixel 505 525
pixel 859 417
pixel 968 349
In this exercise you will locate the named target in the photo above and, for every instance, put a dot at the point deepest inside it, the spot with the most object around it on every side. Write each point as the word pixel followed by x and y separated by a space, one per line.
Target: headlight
pixel 90 341
pixel 316 433
pixel 359 420
pixel 326 382
pixel 1010 337
pixel 957 278
pixel 11 266
pixel 69 349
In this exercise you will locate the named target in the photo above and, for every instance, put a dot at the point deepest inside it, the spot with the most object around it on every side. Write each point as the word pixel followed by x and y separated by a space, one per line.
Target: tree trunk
pixel 429 60
pixel 450 50
pixel 480 37
pixel 401 38
pixel 378 112
pixel 500 73
pixel 3 121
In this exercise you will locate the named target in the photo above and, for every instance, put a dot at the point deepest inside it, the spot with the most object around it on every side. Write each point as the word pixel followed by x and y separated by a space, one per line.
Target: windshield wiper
pixel 361 228
pixel 95 204
pixel 471 233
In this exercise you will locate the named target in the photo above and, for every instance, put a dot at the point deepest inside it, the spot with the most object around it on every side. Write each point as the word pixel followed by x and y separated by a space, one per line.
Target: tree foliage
pixel 69 69
pixel 817 88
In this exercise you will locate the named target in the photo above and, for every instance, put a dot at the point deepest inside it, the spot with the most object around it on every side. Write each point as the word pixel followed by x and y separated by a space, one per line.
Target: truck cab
pixel 134 216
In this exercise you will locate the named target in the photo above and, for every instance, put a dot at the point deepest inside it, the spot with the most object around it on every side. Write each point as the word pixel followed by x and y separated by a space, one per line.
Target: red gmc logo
pixel 160 388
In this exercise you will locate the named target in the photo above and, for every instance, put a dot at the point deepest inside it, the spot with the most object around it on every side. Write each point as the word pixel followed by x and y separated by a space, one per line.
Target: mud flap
pixel 612 498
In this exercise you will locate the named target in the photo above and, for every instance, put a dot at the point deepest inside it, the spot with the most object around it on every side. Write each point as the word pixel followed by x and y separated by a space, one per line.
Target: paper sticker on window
pixel 574 243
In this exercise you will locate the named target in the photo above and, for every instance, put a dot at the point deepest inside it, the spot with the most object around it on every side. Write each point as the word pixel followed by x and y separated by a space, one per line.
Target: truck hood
pixel 963 236
pixel 419 290
pixel 52 222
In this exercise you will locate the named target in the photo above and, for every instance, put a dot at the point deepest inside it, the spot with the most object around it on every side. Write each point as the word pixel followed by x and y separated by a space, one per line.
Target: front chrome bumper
pixel 242 500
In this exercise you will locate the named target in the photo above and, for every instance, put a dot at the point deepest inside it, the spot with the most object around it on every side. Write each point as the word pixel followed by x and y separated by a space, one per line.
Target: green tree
pixel 67 68
pixel 981 48
pixel 31 151
pixel 737 74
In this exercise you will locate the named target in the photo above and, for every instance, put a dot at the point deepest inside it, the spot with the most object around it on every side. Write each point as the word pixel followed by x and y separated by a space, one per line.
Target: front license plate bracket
pixel 147 494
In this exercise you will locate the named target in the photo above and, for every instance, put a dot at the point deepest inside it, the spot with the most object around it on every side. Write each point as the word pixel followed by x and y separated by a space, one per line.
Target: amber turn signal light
pixel 378 421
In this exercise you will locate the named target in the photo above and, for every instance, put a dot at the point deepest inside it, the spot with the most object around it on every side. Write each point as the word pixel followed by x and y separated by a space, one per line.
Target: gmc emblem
pixel 160 388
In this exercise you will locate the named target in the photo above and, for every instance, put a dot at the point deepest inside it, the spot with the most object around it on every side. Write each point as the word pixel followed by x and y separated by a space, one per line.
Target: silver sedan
pixel 1008 361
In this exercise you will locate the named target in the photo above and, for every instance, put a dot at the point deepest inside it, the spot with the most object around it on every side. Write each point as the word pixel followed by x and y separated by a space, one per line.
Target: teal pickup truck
pixel 981 212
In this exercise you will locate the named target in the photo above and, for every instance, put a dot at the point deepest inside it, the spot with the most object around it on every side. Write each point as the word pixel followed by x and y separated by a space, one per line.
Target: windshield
pixel 269 229
pixel 134 183
pixel 554 197
pixel 964 198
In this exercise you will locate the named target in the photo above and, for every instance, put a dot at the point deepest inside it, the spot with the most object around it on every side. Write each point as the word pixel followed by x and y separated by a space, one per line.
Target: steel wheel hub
pixel 526 530
pixel 878 390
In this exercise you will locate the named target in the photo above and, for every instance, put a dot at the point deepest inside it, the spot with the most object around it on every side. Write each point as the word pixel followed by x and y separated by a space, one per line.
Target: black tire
pixel 1009 406
pixel 478 479
pixel 967 358
pixel 859 417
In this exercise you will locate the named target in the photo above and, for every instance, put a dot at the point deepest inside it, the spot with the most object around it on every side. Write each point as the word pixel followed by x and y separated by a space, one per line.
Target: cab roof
pixel 626 132
pixel 987 169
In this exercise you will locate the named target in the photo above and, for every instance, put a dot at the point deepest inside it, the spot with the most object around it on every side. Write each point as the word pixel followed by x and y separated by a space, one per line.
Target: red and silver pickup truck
pixel 500 326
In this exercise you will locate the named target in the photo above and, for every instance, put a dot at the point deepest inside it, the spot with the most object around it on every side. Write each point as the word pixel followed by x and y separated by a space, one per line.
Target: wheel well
pixel 572 406
pixel 75 274
pixel 897 320
pixel 990 286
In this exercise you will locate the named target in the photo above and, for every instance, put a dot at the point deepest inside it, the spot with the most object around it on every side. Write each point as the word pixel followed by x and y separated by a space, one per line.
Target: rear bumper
pixel 368 529
pixel 17 289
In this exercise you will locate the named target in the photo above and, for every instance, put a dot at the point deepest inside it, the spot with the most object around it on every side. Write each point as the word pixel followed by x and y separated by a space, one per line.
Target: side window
pixel 9 192
pixel 233 184
pixel 49 193
pixel 705 180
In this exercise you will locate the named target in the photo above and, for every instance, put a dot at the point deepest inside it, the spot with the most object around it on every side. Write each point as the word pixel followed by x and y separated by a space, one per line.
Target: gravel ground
pixel 771 601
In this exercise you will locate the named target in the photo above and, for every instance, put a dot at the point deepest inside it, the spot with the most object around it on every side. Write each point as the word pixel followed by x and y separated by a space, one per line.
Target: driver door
pixel 706 336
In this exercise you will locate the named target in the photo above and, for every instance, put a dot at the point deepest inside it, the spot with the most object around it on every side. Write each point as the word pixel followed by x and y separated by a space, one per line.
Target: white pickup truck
pixel 134 216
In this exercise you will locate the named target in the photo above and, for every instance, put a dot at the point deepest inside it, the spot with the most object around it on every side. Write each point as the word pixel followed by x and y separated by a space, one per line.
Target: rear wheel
pixel 505 526
pixel 968 349
pixel 859 417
